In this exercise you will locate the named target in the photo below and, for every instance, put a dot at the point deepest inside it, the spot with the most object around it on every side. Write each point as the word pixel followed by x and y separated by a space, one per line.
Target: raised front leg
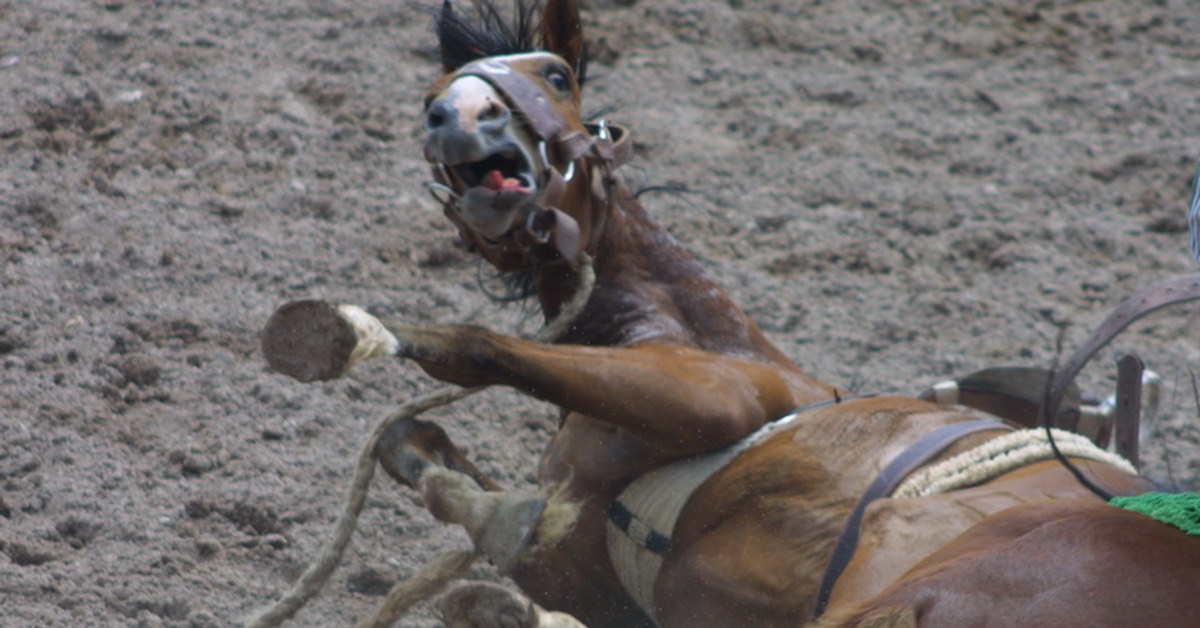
pixel 689 399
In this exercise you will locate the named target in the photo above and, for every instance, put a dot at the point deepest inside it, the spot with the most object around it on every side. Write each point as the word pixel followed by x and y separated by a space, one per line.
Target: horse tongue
pixel 495 181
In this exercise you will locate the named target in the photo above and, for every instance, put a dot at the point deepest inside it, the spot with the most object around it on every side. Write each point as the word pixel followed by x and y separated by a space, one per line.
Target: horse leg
pixel 409 448
pixel 487 605
pixel 686 399
pixel 505 525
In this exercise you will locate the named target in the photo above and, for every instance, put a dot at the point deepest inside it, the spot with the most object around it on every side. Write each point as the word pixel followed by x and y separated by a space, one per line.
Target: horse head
pixel 511 154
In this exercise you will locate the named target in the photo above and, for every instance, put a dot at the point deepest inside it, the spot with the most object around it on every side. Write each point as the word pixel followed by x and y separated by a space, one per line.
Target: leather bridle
pixel 546 234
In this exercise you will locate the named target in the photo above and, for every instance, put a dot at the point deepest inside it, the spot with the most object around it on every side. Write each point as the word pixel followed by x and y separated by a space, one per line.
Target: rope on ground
pixel 330 554
pixel 424 584
pixel 432 578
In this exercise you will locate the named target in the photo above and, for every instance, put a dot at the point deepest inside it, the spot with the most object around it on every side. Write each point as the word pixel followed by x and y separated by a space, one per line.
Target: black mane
pixel 464 37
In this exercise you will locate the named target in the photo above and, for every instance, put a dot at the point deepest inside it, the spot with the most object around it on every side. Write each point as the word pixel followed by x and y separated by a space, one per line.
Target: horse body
pixel 1051 563
pixel 661 365
pixel 754 540
pixel 627 339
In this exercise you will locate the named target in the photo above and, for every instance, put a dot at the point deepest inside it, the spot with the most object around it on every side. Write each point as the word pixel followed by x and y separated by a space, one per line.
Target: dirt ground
pixel 898 191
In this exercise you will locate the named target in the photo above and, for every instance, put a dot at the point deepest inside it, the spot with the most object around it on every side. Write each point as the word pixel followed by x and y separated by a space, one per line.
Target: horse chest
pixel 597 458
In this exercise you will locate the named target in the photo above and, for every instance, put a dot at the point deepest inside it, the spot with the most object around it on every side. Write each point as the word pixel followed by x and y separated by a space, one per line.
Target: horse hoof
pixel 486 605
pixel 511 530
pixel 308 341
pixel 501 524
pixel 407 448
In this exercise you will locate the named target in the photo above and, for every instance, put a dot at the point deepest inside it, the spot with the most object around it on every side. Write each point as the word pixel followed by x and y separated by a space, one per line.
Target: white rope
pixel 1001 455
pixel 571 310
pixel 330 554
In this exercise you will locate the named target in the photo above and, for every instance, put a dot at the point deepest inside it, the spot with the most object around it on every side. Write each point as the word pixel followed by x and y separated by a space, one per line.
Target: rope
pixel 1001 455
pixel 431 579
pixel 330 554
pixel 426 583
pixel 571 310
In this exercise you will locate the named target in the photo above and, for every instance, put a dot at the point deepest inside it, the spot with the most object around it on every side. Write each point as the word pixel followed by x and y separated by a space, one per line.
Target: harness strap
pixel 570 142
pixel 613 145
pixel 658 542
pixel 642 518
pixel 529 97
pixel 892 475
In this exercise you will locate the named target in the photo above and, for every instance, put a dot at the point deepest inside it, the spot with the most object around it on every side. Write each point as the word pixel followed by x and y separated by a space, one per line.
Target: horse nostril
pixel 493 111
pixel 439 114
pixel 495 116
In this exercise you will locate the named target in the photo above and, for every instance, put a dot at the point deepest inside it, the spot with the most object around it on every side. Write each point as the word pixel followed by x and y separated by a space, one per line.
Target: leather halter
pixel 884 484
pixel 530 99
pixel 547 234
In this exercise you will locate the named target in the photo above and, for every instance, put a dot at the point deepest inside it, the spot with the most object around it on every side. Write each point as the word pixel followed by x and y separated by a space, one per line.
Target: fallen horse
pixel 709 481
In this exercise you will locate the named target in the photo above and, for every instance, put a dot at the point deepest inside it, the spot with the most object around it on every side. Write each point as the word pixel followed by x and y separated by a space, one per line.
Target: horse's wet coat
pixel 662 365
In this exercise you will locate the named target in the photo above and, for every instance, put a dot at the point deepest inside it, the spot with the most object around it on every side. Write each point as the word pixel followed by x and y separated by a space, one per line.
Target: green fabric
pixel 1181 510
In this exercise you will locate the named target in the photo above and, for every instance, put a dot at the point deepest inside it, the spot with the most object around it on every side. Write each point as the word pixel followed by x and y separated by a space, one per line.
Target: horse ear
pixel 562 32
pixel 443 25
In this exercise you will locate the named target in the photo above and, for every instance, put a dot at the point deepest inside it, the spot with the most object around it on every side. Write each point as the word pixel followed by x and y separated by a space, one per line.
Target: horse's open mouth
pixel 491 191
pixel 507 170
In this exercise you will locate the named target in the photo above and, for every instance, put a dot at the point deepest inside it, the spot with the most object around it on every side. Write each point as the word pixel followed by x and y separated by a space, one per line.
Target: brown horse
pixel 659 373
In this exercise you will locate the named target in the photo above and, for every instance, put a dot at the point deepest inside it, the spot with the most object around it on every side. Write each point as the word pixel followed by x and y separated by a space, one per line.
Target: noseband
pixel 547 234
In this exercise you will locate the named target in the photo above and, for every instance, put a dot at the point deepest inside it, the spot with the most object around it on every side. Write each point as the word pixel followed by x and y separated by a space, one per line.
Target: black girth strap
pixel 642 534
pixel 892 475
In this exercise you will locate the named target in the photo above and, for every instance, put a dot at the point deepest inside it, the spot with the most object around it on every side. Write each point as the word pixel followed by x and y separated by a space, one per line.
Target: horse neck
pixel 649 288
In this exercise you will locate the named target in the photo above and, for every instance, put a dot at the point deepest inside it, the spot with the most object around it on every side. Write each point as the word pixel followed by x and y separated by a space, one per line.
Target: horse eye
pixel 558 79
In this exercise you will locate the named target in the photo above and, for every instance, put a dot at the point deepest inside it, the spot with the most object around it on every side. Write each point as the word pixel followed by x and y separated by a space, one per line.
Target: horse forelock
pixel 466 37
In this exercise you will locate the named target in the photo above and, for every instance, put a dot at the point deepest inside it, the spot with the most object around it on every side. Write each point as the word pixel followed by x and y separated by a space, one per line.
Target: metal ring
pixel 434 187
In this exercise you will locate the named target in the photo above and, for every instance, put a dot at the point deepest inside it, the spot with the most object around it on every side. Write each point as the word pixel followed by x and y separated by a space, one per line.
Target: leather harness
pixel 917 454
pixel 884 484
pixel 547 233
